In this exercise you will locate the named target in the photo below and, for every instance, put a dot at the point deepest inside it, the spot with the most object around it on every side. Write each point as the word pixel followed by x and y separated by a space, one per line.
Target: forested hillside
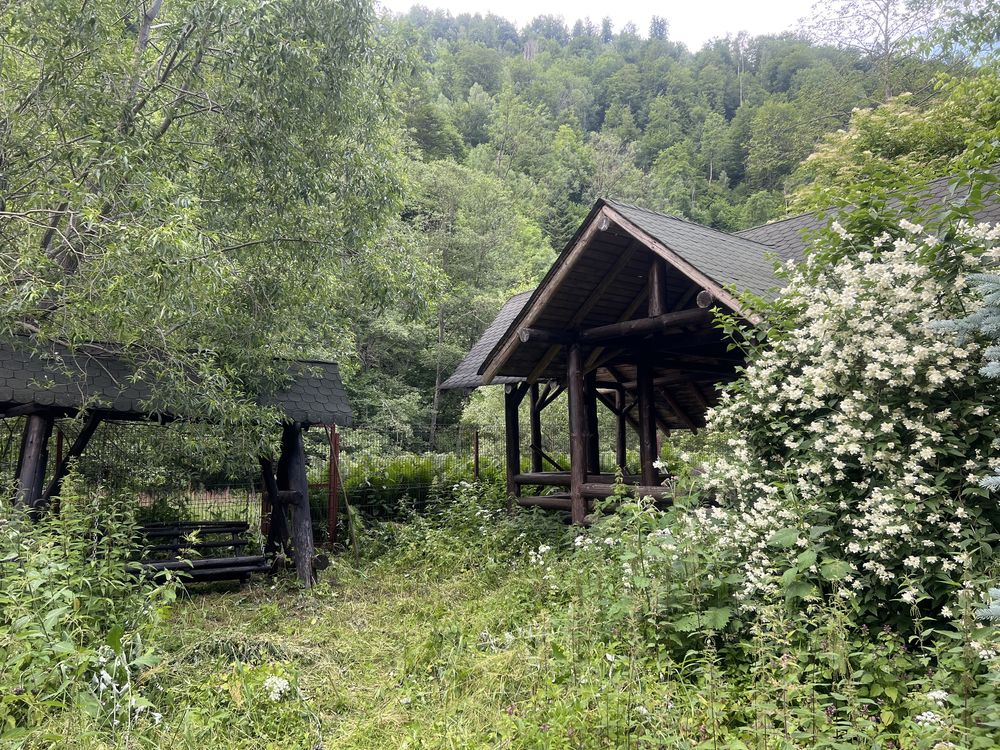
pixel 509 136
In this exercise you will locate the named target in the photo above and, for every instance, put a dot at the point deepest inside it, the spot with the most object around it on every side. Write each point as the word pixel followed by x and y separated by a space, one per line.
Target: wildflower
pixel 946 612
pixel 937 696
pixel 276 687
pixel 928 719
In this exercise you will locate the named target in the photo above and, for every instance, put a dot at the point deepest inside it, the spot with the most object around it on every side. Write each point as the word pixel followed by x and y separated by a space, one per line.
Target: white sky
pixel 691 21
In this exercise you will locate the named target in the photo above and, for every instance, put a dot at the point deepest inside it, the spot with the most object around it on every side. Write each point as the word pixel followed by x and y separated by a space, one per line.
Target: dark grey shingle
pixel 727 259
pixel 466 375
pixel 67 380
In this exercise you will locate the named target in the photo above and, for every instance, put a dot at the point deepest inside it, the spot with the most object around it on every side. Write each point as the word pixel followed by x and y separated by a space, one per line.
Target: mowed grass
pixel 393 653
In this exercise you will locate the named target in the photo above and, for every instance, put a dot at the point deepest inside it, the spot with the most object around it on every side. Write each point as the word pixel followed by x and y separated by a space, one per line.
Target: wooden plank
pixel 548 502
pixel 593 438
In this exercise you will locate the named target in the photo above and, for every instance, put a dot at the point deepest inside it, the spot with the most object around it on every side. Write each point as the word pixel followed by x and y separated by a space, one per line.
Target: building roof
pixel 65 381
pixel 728 259
pixel 466 375
pixel 743 260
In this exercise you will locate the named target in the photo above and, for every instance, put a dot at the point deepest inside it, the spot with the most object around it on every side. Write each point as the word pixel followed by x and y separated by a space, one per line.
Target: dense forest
pixel 509 136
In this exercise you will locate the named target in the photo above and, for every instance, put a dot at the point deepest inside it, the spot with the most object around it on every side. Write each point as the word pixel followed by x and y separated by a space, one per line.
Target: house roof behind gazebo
pixel 64 382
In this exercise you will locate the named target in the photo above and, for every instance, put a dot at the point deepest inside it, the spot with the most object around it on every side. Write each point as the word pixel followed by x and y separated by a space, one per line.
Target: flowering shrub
pixel 860 432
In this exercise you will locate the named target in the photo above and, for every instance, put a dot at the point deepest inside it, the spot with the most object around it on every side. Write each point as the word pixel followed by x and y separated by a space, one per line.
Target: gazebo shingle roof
pixel 65 381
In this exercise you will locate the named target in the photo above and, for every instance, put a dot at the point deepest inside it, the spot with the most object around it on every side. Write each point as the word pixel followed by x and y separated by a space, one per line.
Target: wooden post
pixel 34 456
pixel 75 451
pixel 334 485
pixel 475 455
pixel 593 438
pixel 621 453
pixel 277 522
pixel 577 434
pixel 293 457
pixel 657 288
pixel 512 436
pixel 535 418
pixel 647 422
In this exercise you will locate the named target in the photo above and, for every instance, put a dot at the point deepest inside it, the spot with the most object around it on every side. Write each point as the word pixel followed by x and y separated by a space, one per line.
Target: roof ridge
pixel 690 223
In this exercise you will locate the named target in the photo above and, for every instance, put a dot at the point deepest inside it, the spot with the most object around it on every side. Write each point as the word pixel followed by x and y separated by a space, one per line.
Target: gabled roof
pixel 466 375
pixel 65 381
pixel 728 259
pixel 743 260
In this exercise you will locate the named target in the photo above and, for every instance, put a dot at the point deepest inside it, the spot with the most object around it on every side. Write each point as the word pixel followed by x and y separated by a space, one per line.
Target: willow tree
pixel 198 181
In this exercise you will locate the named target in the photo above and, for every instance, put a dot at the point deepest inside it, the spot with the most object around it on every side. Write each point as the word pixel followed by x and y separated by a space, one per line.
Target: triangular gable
pixel 613 234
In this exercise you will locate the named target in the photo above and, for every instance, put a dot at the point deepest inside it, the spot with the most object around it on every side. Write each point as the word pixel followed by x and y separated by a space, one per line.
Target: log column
pixel 621 429
pixel 535 412
pixel 33 459
pixel 647 422
pixel 577 434
pixel 512 435
pixel 593 438
pixel 292 467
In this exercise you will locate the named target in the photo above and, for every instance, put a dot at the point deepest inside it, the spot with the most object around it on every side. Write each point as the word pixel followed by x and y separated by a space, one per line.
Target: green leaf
pixel 783 538
pixel 835 570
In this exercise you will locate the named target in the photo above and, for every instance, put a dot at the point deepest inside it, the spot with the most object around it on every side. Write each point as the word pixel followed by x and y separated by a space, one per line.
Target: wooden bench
pixel 167 546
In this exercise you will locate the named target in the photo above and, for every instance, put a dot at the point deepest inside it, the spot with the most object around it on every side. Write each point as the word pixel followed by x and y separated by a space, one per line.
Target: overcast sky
pixel 691 21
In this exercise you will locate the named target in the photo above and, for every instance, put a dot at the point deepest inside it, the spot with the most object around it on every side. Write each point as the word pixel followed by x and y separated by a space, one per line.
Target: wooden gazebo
pixel 624 320
pixel 95 385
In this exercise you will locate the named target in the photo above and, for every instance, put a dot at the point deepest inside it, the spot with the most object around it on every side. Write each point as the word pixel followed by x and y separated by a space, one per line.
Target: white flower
pixel 276 687
pixel 946 612
pixel 937 696
pixel 927 719
pixel 839 230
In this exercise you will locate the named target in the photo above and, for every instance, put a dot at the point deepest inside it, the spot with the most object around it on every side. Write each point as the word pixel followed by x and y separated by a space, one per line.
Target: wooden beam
pixel 638 302
pixel 34 455
pixel 682 265
pixel 293 456
pixel 544 478
pixel 698 395
pixel 545 293
pixel 644 326
pixel 75 451
pixel 544 336
pixel 678 410
pixel 577 433
pixel 552 396
pixel 593 489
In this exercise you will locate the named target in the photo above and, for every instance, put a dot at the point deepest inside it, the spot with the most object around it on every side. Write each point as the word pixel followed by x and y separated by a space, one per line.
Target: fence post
pixel 333 475
pixel 475 455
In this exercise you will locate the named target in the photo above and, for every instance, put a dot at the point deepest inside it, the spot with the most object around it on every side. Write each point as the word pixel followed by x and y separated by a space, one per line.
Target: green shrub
pixel 74 615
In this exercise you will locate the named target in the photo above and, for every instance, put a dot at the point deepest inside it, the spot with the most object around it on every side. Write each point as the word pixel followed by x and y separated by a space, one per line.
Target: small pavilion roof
pixel 64 381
